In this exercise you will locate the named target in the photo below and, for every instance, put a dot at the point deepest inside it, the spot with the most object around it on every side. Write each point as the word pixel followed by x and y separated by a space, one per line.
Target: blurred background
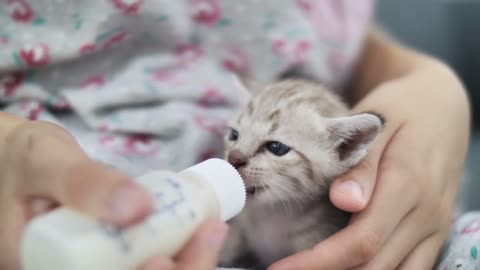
pixel 450 30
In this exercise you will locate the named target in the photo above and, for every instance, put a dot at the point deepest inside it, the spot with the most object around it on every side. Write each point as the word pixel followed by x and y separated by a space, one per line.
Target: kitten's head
pixel 293 137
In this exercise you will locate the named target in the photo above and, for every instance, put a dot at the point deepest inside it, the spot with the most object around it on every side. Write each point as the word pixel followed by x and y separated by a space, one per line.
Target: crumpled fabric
pixel 150 84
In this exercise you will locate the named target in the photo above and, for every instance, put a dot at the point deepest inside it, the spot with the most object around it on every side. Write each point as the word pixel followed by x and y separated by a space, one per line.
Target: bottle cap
pixel 225 181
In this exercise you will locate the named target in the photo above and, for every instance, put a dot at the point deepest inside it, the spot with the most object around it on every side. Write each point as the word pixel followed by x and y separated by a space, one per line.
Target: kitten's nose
pixel 237 159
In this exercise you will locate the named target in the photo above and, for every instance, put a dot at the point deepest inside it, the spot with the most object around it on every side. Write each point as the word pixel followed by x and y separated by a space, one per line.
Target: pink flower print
pixel 35 55
pixel 142 145
pixel 10 83
pixel 215 126
pixel 163 74
pixel 293 52
pixel 207 12
pixel 58 103
pixel 34 113
pixel 211 97
pixel 301 50
pixel 472 228
pixel 336 61
pixel 188 53
pixel 32 109
pixel 107 139
pixel 94 81
pixel 236 60
pixel 166 75
pixel 113 142
pixel 20 11
pixel 4 40
pixel 103 128
pixel 279 46
pixel 306 5
pixel 115 39
pixel 128 6
pixel 87 48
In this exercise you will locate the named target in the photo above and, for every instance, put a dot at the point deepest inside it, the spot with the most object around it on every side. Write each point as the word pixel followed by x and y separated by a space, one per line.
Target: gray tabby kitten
pixel 289 141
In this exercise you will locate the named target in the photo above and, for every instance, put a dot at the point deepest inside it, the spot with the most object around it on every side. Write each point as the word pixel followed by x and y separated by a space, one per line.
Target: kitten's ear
pixel 246 88
pixel 248 84
pixel 352 136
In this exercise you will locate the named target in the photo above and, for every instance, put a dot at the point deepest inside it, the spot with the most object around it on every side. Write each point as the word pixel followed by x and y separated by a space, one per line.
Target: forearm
pixel 383 60
pixel 426 82
pixel 416 90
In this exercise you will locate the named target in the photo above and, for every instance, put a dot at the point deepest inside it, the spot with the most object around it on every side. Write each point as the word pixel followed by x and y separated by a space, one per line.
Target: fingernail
pixel 352 189
pixel 216 236
pixel 127 204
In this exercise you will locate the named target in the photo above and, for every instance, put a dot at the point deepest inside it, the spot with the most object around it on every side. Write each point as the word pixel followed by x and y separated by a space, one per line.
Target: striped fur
pixel 293 212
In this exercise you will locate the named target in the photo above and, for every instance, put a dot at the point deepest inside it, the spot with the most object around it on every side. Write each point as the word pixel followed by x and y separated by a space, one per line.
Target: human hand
pixel 41 168
pixel 201 253
pixel 414 167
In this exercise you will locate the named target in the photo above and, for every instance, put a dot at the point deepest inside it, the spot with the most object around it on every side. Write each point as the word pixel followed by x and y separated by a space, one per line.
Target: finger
pixel 425 255
pixel 54 166
pixel 160 263
pixel 352 191
pixel 102 192
pixel 404 239
pixel 202 251
pixel 359 242
pixel 431 220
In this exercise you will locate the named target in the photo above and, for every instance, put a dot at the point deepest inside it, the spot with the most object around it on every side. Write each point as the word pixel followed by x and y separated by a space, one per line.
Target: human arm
pixel 404 191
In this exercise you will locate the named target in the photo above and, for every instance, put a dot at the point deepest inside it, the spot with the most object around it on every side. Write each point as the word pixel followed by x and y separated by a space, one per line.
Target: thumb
pixel 352 191
pixel 104 193
pixel 54 166
pixel 202 251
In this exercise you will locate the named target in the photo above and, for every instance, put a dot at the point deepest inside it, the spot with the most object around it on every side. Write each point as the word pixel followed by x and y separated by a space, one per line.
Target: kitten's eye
pixel 277 148
pixel 233 135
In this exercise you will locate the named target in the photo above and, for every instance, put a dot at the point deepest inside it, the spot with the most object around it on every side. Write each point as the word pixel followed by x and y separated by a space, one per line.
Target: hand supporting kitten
pixel 289 142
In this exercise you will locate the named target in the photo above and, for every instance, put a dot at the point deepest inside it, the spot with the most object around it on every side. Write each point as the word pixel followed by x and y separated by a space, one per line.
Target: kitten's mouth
pixel 252 190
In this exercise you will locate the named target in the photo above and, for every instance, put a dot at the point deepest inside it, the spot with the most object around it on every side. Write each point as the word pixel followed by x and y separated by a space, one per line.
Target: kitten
pixel 288 143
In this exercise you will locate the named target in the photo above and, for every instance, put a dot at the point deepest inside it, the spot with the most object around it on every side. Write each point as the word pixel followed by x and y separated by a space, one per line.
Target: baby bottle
pixel 68 240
